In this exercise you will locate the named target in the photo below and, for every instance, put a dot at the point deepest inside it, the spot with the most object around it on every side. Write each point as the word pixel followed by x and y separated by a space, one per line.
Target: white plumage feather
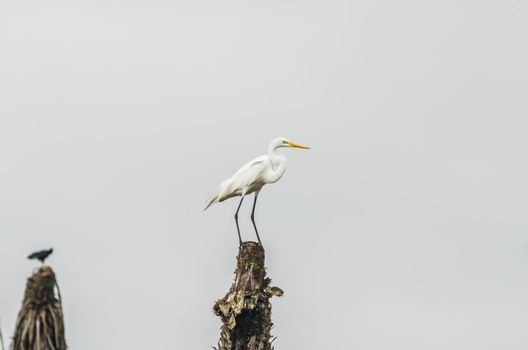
pixel 252 176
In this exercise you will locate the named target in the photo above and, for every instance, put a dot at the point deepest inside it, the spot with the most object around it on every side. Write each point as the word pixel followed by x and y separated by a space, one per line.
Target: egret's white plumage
pixel 252 176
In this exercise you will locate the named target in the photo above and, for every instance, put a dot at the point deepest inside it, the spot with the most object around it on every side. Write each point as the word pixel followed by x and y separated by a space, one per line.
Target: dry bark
pixel 40 322
pixel 1 339
pixel 246 309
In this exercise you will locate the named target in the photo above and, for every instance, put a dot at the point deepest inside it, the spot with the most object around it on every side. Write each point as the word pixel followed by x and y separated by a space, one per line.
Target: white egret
pixel 251 177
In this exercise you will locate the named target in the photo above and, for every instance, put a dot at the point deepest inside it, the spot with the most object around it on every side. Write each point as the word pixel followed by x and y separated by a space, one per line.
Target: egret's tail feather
pixel 211 201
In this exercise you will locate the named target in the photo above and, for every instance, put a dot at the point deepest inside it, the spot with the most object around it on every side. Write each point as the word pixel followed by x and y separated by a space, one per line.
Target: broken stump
pixel 40 322
pixel 245 310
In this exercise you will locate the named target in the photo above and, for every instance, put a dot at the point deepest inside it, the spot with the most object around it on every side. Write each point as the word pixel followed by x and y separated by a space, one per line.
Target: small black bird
pixel 41 255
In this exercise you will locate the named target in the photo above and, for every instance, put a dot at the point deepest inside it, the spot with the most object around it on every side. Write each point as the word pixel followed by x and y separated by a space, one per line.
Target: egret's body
pixel 252 176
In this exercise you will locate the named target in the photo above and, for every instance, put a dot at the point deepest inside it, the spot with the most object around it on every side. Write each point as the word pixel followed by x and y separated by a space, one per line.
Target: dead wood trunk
pixel 40 322
pixel 246 309
pixel 1 339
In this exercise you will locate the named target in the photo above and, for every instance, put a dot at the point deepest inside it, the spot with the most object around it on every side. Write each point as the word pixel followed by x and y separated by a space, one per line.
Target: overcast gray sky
pixel 404 227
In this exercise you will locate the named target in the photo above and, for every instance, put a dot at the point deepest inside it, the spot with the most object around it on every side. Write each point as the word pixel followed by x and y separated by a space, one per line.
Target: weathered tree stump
pixel 1 339
pixel 40 322
pixel 246 309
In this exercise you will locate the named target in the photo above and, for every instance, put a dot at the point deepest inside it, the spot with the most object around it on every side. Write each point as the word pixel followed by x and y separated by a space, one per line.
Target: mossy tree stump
pixel 40 322
pixel 246 309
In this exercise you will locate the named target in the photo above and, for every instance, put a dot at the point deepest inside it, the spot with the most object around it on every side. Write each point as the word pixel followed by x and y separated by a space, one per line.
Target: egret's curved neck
pixel 278 162
pixel 273 156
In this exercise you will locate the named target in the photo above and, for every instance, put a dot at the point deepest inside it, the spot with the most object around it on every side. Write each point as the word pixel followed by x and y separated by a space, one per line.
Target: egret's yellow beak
pixel 293 144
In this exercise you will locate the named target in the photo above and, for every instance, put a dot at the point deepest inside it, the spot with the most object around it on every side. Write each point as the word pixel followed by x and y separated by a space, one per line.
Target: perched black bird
pixel 41 255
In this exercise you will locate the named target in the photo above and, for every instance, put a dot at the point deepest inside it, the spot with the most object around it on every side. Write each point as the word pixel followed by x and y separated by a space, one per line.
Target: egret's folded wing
pixel 252 163
pixel 244 177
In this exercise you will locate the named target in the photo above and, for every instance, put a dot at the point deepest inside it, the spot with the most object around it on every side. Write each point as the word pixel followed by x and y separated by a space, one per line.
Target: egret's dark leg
pixel 236 220
pixel 253 217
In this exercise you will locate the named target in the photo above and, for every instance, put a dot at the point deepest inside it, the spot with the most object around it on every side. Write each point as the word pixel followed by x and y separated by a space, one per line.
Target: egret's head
pixel 282 142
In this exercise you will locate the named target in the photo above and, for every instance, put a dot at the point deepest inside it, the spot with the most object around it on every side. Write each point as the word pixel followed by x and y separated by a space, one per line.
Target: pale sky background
pixel 404 227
